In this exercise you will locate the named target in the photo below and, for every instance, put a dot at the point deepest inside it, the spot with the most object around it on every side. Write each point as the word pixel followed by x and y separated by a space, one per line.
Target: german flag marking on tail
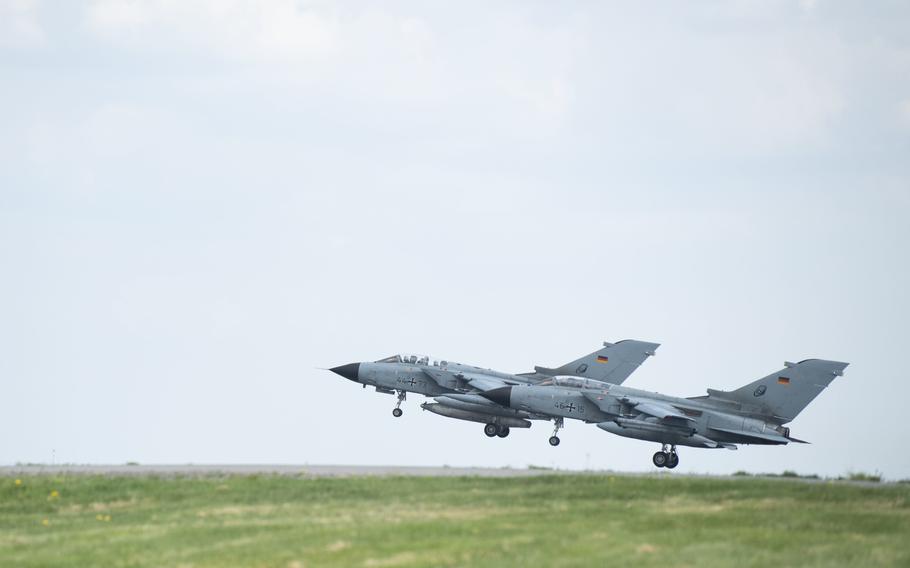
pixel 783 381
pixel 602 359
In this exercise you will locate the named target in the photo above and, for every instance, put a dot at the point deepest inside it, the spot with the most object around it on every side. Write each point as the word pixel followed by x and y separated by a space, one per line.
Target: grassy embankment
pixel 541 521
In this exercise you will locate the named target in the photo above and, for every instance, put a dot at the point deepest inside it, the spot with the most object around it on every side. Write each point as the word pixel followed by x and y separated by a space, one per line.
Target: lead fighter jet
pixel 457 388
pixel 752 414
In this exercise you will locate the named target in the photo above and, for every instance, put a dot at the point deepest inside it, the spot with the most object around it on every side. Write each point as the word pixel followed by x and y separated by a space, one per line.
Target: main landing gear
pixel 666 457
pixel 493 430
pixel 554 439
pixel 397 411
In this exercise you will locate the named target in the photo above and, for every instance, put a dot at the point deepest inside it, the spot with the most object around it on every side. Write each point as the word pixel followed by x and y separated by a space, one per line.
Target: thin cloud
pixel 232 29
pixel 19 25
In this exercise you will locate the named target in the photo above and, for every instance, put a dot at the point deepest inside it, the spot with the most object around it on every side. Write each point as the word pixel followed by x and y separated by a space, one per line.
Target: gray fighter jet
pixel 457 387
pixel 753 414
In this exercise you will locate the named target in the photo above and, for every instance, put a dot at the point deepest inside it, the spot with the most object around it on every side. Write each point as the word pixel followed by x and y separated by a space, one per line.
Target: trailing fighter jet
pixel 457 387
pixel 753 414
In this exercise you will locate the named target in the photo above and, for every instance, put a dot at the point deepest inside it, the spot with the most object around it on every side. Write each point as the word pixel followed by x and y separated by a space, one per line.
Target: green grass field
pixel 560 520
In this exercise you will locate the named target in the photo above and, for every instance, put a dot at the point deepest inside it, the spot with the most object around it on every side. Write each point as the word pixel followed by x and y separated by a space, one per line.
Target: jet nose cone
pixel 349 371
pixel 501 396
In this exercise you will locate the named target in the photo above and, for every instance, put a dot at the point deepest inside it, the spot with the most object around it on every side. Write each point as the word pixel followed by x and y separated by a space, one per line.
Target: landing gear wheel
pixel 503 432
pixel 673 461
pixel 397 411
pixel 557 424
pixel 660 459
pixel 491 430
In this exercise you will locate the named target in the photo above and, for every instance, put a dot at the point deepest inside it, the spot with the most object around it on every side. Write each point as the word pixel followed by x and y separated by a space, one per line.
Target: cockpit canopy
pixel 576 382
pixel 413 359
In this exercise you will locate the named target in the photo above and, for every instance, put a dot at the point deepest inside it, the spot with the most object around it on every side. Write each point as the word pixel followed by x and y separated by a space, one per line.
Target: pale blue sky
pixel 203 201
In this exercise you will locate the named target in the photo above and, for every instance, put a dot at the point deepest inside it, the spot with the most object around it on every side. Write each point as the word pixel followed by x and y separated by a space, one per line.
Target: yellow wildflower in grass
pixel 46 522
pixel 107 518
pixel 54 495
pixel 99 517
pixel 18 482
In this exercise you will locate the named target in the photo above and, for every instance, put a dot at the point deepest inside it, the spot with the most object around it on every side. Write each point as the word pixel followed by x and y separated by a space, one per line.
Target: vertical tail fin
pixel 613 363
pixel 784 394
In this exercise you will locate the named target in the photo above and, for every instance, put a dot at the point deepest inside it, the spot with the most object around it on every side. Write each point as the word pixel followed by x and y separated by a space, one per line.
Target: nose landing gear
pixel 397 411
pixel 666 457
pixel 554 439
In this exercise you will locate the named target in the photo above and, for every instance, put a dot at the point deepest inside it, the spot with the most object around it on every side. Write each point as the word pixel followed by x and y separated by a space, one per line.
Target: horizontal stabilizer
pixel 706 442
pixel 766 436
pixel 709 443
